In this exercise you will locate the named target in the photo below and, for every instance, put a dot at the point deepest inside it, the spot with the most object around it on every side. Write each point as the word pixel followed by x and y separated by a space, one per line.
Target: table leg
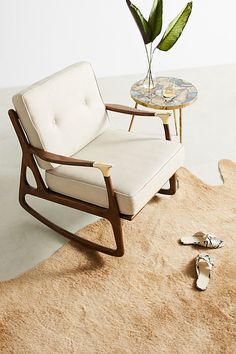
pixel 132 119
pixel 175 119
pixel 180 126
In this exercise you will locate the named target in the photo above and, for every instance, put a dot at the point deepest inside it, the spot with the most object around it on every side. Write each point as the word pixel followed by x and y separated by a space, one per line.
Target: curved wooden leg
pixel 118 234
pixel 173 186
pixel 116 226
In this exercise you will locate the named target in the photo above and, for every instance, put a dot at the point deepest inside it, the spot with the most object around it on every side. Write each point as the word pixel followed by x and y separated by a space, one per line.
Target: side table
pixel 183 94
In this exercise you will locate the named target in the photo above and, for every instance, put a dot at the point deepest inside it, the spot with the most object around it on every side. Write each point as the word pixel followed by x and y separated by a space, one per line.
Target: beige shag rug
pixel 80 301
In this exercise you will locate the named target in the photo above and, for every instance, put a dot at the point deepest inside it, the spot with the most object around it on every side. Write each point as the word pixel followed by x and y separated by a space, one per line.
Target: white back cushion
pixel 63 112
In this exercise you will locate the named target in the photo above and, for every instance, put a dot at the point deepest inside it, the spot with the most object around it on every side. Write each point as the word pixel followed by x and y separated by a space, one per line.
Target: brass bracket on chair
pixel 163 116
pixel 165 121
pixel 103 167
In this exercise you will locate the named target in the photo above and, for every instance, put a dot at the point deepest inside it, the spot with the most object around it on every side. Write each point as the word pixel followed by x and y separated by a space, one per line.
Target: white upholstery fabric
pixel 142 165
pixel 63 112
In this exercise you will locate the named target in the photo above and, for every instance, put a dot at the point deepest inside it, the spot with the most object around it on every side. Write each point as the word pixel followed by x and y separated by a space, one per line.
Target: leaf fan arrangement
pixel 152 27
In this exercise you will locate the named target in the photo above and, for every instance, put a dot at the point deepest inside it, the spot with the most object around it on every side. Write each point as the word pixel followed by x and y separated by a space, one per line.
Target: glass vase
pixel 149 81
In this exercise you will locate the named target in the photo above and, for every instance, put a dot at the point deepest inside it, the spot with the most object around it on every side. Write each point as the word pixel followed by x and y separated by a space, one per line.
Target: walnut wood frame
pixel 111 213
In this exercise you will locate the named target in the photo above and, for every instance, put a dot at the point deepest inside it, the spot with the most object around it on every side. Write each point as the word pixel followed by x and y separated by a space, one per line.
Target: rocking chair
pixel 63 128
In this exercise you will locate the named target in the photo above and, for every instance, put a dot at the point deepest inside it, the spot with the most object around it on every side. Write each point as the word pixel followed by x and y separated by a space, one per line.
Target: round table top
pixel 184 93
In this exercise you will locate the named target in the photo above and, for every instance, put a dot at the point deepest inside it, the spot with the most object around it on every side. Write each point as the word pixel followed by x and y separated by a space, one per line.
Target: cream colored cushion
pixel 142 165
pixel 63 112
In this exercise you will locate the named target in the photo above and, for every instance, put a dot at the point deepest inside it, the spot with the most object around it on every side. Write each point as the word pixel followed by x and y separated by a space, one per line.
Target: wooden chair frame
pixel 111 213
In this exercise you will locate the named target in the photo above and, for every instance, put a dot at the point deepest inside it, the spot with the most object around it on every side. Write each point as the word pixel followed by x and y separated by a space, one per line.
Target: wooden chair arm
pixel 137 112
pixel 128 110
pixel 65 160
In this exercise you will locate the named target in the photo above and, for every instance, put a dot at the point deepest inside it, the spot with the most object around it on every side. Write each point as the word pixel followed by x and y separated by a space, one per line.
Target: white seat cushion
pixel 142 165
pixel 63 112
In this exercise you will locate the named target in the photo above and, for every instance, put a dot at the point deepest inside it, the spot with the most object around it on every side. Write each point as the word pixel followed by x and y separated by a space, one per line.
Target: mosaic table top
pixel 179 93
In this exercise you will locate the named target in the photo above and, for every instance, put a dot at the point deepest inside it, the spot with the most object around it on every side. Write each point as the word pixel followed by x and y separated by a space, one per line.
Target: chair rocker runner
pixel 63 127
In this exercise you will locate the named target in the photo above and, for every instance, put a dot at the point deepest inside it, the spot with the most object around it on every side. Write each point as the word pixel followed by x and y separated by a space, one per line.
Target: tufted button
pixel 54 121
pixel 85 102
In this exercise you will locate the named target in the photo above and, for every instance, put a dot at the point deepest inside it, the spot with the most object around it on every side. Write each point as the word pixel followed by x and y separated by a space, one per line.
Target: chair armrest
pixel 128 110
pixel 137 112
pixel 65 160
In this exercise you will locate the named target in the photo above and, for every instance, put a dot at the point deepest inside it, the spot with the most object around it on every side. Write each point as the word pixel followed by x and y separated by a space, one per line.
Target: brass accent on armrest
pixel 65 160
pixel 103 167
pixel 128 110
pixel 163 116
pixel 59 159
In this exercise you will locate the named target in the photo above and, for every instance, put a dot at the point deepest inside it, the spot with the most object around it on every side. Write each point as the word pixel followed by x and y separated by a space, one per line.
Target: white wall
pixel 38 37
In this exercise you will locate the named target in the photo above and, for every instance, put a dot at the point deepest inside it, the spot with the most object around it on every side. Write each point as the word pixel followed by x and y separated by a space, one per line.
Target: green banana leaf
pixel 175 28
pixel 155 18
pixel 142 24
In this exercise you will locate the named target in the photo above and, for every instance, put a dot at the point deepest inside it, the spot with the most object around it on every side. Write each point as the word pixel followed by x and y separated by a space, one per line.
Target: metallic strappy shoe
pixel 204 267
pixel 201 239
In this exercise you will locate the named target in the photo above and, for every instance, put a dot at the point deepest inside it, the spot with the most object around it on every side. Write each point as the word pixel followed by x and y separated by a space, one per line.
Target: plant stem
pixel 150 67
pixel 148 59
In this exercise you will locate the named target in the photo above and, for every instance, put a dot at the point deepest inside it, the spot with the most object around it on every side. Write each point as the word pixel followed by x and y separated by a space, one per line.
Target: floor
pixel 209 135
